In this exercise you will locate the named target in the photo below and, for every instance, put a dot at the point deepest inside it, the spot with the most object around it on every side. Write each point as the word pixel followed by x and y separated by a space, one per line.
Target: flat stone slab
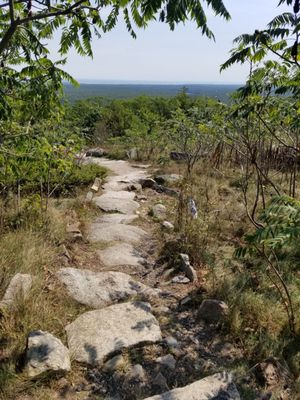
pixel 101 289
pixel 116 219
pixel 120 254
pixel 204 389
pixel 115 233
pixel 45 352
pixel 96 334
pixel 111 202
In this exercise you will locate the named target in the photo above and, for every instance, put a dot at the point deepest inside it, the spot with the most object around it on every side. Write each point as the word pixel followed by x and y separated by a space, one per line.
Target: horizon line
pixel 141 82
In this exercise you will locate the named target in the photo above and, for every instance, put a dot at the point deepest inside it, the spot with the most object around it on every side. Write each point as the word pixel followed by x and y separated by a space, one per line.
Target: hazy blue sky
pixel 183 55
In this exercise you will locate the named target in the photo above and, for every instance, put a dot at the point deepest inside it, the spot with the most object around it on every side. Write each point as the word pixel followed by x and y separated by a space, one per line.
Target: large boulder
pixel 212 310
pixel 18 289
pixel 218 386
pixel 100 289
pixel 96 334
pixel 45 352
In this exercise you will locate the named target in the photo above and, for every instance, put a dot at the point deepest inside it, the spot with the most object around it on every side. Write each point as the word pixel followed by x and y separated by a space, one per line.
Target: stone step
pixel 115 233
pixel 96 334
pixel 120 254
pixel 101 289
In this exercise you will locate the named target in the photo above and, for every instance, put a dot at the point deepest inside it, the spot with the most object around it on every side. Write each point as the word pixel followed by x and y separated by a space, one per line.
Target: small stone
pixel 167 226
pixel 187 268
pixel 18 289
pixel 96 185
pixel 180 279
pixel 161 382
pixel 114 363
pixel 185 300
pixel 171 341
pixel 168 360
pixel 147 183
pixel 45 352
pixel 136 373
pixel 212 310
pixel 158 211
pixel 89 196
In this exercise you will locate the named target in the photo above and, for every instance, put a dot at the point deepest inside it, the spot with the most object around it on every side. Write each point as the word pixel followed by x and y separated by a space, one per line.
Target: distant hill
pixel 221 92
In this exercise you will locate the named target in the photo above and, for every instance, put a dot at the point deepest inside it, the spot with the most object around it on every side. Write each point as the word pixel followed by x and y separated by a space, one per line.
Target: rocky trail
pixel 138 337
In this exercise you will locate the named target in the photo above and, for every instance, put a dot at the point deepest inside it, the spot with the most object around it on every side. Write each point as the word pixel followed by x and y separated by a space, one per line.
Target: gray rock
pixel 115 233
pixel 147 183
pixel 158 211
pixel 180 279
pixel 96 334
pixel 117 201
pixel 100 289
pixel 212 310
pixel 160 381
pixel 187 268
pixel 120 254
pixel 168 179
pixel 168 361
pixel 171 341
pixel 136 373
pixel 167 226
pixel 18 289
pixel 114 364
pixel 218 386
pixel 97 152
pixel 45 352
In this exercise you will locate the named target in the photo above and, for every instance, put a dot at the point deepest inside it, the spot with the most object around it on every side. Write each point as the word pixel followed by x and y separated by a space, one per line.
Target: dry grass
pixel 46 307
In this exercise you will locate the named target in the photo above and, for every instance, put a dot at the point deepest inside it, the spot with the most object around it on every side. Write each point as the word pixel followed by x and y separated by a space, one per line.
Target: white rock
pixel 96 334
pixel 100 289
pixel 45 352
pixel 120 254
pixel 167 226
pixel 159 211
pixel 120 201
pixel 204 389
pixel 115 233
pixel 18 289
